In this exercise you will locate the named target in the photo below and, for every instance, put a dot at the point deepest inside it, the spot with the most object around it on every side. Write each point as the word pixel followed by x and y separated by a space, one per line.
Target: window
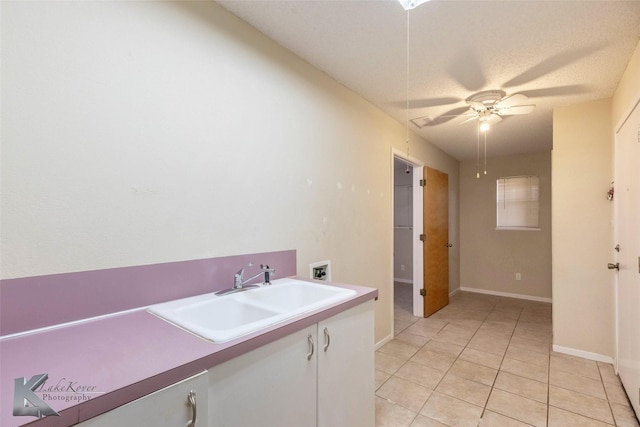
pixel 517 202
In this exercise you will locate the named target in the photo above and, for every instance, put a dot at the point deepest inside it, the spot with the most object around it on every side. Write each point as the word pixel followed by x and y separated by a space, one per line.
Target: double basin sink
pixel 222 318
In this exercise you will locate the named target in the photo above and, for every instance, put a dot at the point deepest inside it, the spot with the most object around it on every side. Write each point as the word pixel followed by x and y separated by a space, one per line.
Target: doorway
pixel 409 227
pixel 403 226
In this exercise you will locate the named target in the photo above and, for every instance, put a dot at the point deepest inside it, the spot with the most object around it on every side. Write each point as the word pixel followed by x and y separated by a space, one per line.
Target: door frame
pixel 418 248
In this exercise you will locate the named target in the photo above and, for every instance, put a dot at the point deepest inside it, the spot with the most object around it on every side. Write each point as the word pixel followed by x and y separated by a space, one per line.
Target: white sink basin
pixel 223 318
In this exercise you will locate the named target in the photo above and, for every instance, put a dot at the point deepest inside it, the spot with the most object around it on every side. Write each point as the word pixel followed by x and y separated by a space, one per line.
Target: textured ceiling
pixel 555 52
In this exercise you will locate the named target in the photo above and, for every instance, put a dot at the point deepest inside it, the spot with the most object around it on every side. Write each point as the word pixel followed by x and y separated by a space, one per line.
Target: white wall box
pixel 167 407
pixel 308 378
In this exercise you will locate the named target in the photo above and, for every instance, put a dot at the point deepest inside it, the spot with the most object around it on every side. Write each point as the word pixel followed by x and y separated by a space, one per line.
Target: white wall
pixel 582 231
pixel 144 132
pixel 491 258
pixel 583 288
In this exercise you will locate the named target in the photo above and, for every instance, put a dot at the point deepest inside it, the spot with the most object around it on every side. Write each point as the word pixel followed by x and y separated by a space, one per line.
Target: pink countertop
pixel 98 365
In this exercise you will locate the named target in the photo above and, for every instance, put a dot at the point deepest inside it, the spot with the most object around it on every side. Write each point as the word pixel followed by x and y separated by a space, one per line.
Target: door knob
pixel 448 245
pixel 615 266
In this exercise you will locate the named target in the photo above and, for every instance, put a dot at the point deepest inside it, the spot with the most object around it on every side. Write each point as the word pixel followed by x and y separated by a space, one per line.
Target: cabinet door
pixel 271 386
pixel 346 372
pixel 168 407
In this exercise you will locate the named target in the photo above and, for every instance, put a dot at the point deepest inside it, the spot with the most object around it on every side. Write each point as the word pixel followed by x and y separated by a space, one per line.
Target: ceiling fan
pixel 487 107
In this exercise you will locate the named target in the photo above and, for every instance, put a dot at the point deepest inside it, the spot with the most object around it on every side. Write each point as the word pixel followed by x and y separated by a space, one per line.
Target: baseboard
pixel 383 341
pixel 506 294
pixel 403 281
pixel 453 292
pixel 584 354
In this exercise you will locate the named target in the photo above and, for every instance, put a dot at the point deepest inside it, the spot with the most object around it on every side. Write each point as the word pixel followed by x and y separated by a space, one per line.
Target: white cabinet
pixel 346 371
pixel 309 378
pixel 271 386
pixel 169 407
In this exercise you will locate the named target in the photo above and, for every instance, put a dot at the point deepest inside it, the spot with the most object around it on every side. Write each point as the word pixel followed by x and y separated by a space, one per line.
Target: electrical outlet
pixel 401 267
pixel 518 276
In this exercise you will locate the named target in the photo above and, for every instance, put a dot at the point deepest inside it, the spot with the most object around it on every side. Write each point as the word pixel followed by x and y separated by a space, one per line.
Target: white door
pixel 346 371
pixel 271 386
pixel 627 221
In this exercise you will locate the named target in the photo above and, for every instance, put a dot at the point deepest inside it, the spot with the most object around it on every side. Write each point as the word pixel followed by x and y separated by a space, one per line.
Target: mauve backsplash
pixel 36 302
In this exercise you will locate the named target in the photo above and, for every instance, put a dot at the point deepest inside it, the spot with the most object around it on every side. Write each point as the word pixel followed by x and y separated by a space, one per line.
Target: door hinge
pixel 423 183
pixel 423 292
pixel 423 237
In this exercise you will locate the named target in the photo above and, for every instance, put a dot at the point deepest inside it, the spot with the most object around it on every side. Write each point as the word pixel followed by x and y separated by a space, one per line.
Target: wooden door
pixel 436 244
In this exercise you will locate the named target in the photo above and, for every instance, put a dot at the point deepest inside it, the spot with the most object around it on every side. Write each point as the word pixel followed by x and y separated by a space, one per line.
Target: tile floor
pixel 487 361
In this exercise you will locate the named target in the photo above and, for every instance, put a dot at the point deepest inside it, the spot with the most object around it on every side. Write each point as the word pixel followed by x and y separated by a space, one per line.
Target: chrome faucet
pixel 239 281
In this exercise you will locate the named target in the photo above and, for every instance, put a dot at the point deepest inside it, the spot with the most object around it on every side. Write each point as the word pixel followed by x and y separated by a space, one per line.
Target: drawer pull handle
pixel 311 347
pixel 327 339
pixel 192 402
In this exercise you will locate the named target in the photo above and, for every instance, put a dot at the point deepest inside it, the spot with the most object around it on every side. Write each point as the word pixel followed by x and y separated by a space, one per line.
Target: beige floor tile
pixel 388 363
pixel 607 373
pixel 520 408
pixel 481 358
pixel 444 347
pixel 455 334
pixel 426 327
pixel 400 325
pixel 400 349
pixel 464 389
pixel 576 383
pixel 528 345
pixel 381 377
pixel 615 393
pixel 404 393
pixel 473 372
pixel 433 359
pixel 410 338
pixel 420 374
pixel 451 411
pixel 624 415
pixel 579 403
pixel 391 415
pixel 574 365
pixel 489 343
pixel 533 335
pixel 422 421
pixel 502 315
pixel 521 386
pixel 527 356
pixel 525 369
pixel 561 418
pixel 504 327
pixel 493 419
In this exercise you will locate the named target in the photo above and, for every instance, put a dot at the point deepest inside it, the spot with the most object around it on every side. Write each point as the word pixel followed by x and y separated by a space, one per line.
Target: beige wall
pixel 146 132
pixel 490 259
pixel 583 289
pixel 582 231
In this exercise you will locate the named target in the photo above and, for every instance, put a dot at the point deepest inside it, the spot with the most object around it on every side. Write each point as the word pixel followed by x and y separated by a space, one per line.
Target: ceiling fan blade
pixel 516 110
pixel 512 101
pixel 469 119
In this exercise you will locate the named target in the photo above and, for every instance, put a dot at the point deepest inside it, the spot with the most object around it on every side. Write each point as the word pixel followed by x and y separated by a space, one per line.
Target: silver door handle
pixel 311 347
pixel 192 402
pixel 327 339
pixel 615 266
